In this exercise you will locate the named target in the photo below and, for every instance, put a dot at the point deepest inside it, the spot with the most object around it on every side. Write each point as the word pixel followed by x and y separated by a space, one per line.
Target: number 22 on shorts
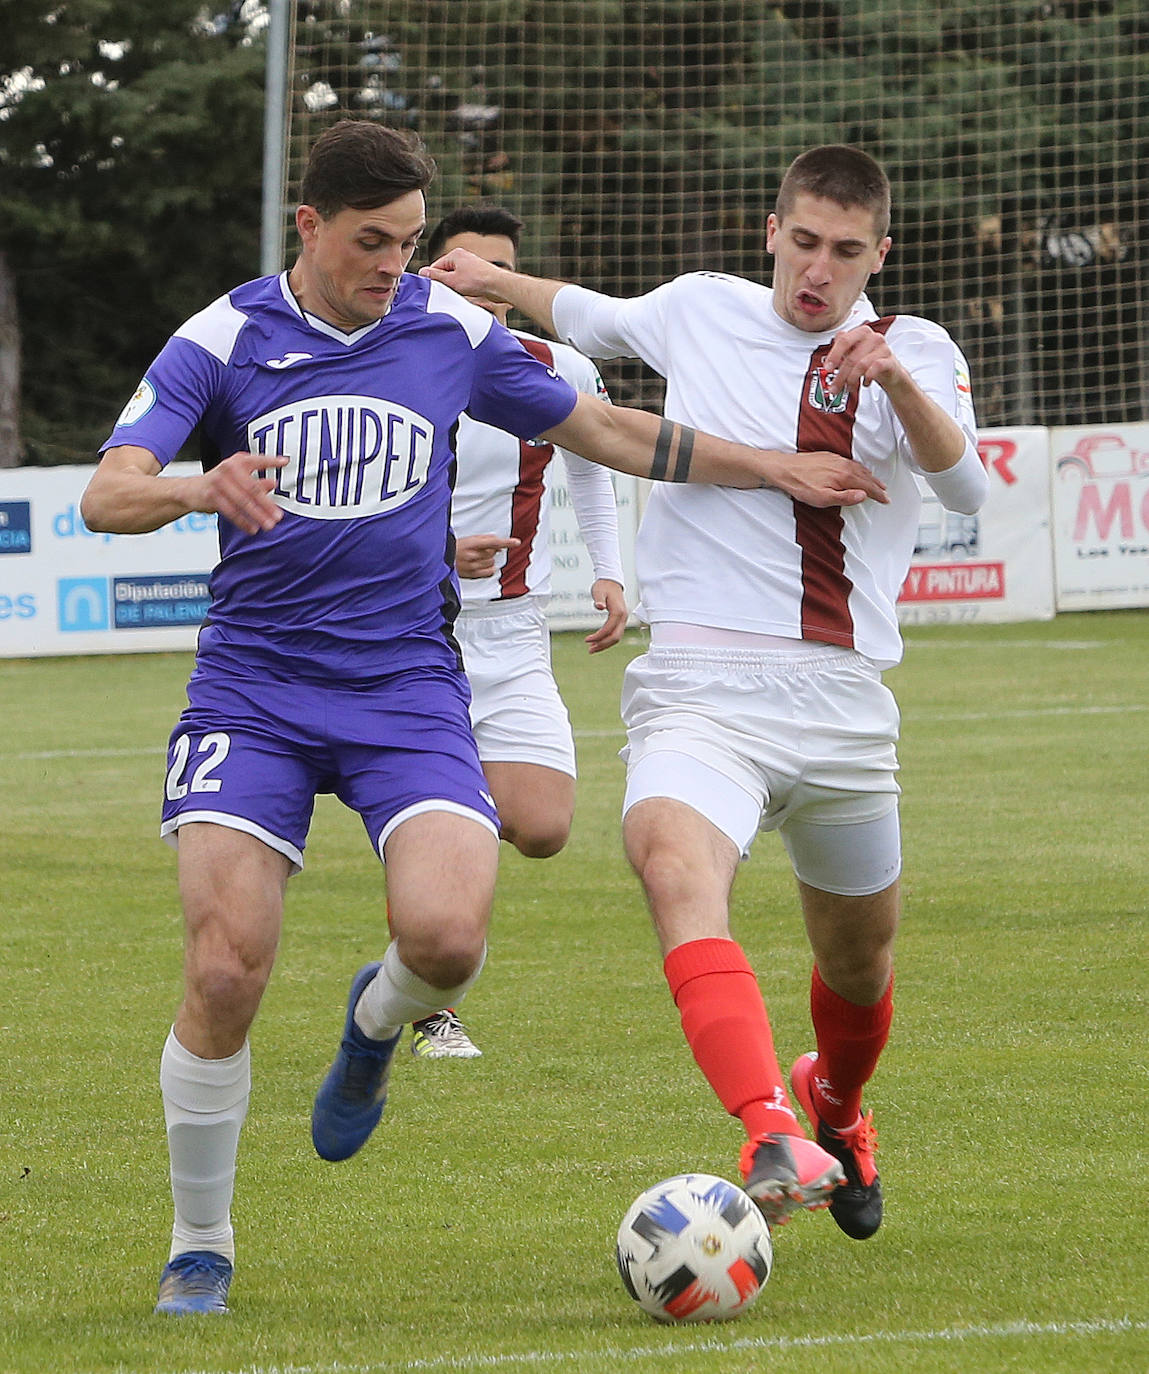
pixel 215 746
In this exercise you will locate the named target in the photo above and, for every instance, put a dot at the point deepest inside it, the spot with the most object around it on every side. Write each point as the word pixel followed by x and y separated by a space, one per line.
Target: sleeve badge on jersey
pixel 961 379
pixel 139 405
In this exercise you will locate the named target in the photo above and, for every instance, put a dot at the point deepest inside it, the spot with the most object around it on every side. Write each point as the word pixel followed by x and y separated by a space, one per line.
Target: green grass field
pixel 476 1230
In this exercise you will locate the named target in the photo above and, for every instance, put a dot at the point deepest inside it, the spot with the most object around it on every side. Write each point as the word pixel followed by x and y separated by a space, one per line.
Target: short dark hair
pixel 474 219
pixel 840 173
pixel 362 165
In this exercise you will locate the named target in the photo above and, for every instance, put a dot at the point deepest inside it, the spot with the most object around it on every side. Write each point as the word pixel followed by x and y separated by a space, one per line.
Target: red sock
pixel 726 1026
pixel 850 1039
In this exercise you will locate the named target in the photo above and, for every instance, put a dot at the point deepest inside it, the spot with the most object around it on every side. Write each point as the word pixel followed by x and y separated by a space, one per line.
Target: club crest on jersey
pixel 822 395
pixel 349 455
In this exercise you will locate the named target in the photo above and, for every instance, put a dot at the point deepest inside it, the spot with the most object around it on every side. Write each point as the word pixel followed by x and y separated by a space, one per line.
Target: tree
pixel 130 145
pixel 639 138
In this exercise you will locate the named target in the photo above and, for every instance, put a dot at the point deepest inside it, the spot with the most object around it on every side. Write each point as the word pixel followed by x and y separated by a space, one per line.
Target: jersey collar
pixel 321 326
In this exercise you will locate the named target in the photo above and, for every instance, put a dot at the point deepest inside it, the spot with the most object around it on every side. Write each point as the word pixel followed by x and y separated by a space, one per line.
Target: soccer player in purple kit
pixel 327 398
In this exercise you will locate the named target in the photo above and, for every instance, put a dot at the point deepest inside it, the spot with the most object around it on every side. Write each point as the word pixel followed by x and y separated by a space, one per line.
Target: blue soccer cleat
pixel 196 1281
pixel 351 1098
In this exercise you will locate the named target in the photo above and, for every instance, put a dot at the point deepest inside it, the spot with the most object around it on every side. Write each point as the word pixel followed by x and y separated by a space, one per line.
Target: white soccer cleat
pixel 442 1036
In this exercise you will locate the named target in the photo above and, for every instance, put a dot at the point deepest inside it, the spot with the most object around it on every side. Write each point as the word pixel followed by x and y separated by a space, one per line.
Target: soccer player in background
pixel 760 704
pixel 326 397
pixel 500 512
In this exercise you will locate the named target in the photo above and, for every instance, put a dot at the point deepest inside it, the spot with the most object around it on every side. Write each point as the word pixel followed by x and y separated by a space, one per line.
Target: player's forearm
pixel 127 496
pixel 122 500
pixel 936 438
pixel 636 442
pixel 946 455
pixel 533 296
pixel 592 496
pixel 476 278
pixel 644 445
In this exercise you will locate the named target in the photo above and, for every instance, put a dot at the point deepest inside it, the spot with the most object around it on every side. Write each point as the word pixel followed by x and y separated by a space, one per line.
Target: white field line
pixel 709 1345
pixel 917 645
pixel 1025 713
pixel 1028 713
pixel 87 753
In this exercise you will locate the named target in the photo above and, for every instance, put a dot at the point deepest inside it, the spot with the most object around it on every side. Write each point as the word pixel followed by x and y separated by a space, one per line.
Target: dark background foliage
pixel 637 139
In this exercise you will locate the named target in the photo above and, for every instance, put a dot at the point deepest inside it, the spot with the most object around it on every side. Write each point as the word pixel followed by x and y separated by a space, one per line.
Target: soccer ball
pixel 694 1248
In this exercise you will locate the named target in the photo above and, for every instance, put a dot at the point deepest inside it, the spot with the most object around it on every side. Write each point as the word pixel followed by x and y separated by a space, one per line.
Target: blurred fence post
pixel 275 114
pixel 11 449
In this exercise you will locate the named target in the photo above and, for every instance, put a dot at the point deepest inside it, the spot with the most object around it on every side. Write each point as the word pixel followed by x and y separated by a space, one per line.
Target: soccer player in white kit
pixel 500 512
pixel 760 704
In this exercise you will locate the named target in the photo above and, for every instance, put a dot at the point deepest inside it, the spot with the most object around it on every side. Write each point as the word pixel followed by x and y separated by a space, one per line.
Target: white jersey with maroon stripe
pixel 758 561
pixel 503 487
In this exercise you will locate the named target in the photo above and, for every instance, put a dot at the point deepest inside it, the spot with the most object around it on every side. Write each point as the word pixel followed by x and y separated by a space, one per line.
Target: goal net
pixel 640 140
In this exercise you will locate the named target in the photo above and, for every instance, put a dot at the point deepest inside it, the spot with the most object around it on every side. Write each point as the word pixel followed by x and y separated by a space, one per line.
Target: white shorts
pixel 803 741
pixel 516 711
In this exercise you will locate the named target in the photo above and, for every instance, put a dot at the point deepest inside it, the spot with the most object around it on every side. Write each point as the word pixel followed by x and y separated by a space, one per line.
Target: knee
pixel 858 970
pixel 538 827
pixel 541 841
pixel 226 983
pixel 445 958
pixel 663 871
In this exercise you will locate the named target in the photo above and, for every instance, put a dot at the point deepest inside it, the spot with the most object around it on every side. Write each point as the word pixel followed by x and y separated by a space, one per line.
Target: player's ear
pixel 883 248
pixel 307 222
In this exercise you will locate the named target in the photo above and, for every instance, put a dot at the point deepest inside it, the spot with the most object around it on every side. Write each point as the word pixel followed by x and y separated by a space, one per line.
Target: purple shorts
pixel 252 755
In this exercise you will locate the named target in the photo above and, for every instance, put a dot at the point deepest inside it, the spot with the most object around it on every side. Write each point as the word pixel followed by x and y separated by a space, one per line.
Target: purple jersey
pixel 357 581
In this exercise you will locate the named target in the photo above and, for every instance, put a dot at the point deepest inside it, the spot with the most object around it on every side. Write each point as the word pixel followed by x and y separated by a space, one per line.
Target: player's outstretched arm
pixel 128 495
pixel 472 276
pixel 637 442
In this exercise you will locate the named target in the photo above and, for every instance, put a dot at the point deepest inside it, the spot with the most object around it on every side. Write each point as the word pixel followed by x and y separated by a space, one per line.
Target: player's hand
pixel 476 555
pixel 467 274
pixel 825 479
pixel 860 356
pixel 235 490
pixel 608 596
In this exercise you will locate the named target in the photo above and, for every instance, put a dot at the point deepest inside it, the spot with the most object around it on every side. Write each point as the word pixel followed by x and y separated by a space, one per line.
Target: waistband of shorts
pixel 501 610
pixel 806 656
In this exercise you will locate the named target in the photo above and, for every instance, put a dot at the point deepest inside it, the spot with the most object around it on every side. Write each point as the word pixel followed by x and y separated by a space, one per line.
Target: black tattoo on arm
pixel 660 470
pixel 685 449
pixel 661 452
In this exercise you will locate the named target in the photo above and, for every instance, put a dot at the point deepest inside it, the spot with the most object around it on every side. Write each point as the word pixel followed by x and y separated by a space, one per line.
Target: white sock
pixel 205 1102
pixel 396 996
